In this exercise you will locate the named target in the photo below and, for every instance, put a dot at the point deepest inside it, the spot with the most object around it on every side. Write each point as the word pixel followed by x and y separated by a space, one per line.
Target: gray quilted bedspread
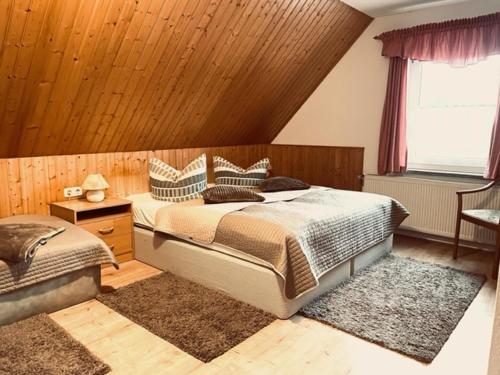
pixel 308 236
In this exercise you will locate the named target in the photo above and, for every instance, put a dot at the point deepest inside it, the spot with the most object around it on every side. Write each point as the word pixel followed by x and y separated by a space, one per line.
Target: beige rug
pixel 198 320
pixel 38 345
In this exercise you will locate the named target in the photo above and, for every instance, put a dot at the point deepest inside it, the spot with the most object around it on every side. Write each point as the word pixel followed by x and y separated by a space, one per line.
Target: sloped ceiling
pixel 85 76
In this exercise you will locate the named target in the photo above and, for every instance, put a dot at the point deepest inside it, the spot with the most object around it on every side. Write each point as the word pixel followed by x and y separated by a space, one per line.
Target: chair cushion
pixel 490 216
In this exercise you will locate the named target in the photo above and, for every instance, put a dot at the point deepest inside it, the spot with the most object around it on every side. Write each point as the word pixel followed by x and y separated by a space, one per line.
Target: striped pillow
pixel 169 184
pixel 226 173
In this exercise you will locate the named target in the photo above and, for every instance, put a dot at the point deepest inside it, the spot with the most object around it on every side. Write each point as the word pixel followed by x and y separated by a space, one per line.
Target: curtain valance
pixel 456 42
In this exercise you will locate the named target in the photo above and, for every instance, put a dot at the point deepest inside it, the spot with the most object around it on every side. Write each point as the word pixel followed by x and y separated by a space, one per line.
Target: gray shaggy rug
pixel 38 345
pixel 200 321
pixel 403 304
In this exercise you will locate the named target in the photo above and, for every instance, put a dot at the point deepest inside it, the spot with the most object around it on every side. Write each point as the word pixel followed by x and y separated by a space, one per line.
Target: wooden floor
pixel 294 346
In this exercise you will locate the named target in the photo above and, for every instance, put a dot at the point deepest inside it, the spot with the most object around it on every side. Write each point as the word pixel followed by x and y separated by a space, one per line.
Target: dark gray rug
pixel 403 304
pixel 198 320
pixel 38 345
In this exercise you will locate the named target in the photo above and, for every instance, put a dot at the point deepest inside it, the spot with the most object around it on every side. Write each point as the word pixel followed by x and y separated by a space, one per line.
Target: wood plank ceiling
pixel 85 76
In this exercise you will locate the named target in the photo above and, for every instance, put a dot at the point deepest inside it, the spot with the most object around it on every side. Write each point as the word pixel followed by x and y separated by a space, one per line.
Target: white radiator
pixel 433 204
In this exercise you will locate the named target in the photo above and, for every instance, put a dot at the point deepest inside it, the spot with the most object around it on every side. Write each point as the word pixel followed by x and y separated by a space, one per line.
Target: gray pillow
pixel 282 184
pixel 226 194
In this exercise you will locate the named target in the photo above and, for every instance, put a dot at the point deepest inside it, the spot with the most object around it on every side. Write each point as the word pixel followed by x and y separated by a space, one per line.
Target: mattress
pixel 144 208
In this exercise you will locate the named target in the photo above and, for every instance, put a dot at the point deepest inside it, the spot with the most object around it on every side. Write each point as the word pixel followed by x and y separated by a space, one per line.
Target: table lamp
pixel 95 185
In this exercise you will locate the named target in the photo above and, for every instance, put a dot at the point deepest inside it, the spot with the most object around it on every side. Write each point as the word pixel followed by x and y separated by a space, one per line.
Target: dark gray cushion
pixel 226 194
pixel 282 184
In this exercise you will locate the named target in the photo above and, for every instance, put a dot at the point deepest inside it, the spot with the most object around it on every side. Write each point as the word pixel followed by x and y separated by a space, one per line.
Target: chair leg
pixel 457 236
pixel 494 274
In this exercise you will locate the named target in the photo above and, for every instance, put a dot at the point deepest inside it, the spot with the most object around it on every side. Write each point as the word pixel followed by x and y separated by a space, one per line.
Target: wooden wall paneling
pixel 266 65
pixel 232 62
pixel 97 70
pixel 110 80
pixel 123 75
pixel 218 74
pixel 30 184
pixel 10 50
pixel 56 38
pixel 173 60
pixel 245 51
pixel 5 198
pixel 95 128
pixel 101 74
pixel 53 190
pixel 200 44
pixel 337 167
pixel 278 67
pixel 316 79
pixel 309 63
pixel 35 15
pixel 169 87
pixel 133 64
pixel 6 8
pixel 265 117
pixel 245 80
pixel 81 44
pixel 14 181
pixel 313 77
pixel 139 68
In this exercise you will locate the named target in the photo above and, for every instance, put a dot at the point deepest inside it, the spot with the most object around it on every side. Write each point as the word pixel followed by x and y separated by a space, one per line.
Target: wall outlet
pixel 71 192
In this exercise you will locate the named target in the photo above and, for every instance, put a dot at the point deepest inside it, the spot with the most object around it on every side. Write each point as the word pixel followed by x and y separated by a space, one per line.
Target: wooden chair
pixel 486 218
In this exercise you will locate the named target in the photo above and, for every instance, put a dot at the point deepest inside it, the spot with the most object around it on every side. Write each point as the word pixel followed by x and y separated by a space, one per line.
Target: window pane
pixel 450 115
pixel 443 85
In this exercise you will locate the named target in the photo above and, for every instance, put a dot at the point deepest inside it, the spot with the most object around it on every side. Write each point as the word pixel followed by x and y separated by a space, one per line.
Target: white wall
pixel 346 109
pixel 494 366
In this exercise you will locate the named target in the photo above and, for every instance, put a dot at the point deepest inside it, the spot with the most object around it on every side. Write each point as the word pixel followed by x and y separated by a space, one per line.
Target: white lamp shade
pixel 95 182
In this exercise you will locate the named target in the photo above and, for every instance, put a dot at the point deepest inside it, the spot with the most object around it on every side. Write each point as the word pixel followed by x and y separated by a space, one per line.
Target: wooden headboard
pixel 29 185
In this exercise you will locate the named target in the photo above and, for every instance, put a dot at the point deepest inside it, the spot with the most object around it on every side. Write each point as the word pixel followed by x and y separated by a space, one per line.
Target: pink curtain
pixel 457 42
pixel 392 144
pixel 492 170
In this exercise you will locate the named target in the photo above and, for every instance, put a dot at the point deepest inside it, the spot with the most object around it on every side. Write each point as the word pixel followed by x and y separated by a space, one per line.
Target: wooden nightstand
pixel 111 220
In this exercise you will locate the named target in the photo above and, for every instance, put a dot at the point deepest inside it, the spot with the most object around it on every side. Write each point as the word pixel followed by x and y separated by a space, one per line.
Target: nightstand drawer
pixel 109 227
pixel 119 244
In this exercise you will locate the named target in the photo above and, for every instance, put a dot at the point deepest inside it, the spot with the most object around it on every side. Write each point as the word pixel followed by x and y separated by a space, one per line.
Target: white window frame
pixel 414 76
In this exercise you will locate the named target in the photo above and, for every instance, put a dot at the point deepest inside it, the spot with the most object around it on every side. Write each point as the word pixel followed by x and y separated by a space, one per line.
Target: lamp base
pixel 95 196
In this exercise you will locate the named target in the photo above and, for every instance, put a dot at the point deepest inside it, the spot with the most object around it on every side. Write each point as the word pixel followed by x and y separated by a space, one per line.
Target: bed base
pixel 50 295
pixel 243 280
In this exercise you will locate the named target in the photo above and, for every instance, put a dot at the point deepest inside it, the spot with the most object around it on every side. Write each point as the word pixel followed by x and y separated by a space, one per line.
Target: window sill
pixel 444 176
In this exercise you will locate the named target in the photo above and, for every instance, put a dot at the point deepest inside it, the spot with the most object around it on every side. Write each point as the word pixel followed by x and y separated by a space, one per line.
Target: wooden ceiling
pixel 85 76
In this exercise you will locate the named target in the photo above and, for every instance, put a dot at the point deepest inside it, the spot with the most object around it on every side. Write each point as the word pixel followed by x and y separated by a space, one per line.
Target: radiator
pixel 433 204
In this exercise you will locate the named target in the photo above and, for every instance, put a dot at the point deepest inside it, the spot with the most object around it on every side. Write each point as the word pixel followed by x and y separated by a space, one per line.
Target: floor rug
pixel 403 304
pixel 38 345
pixel 198 320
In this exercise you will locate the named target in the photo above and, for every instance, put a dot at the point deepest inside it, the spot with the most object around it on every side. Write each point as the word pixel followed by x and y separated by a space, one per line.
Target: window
pixel 450 115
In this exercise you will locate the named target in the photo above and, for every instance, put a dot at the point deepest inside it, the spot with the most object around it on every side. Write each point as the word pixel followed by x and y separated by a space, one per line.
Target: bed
pixel 246 274
pixel 64 272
